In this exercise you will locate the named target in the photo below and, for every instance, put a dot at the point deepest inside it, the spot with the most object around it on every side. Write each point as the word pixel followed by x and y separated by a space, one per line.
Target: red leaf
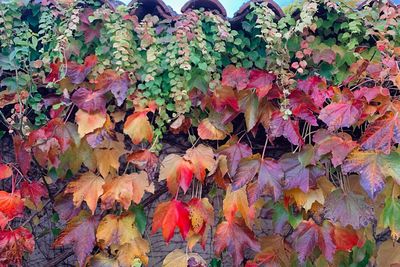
pixel 169 215
pixel 78 72
pixel 89 100
pixel 339 145
pixel 118 84
pixel 262 81
pixel 370 93
pixel 346 238
pixel 34 191
pixel 316 88
pixel 54 74
pixel 341 114
pixel 308 235
pixel 90 32
pixel 234 236
pixel 248 168
pixel 287 128
pixel 224 96
pixel 303 107
pixel 235 77
pixel 14 244
pixel 5 171
pixel 11 206
pixel 177 171
pixel 234 154
pixel 144 160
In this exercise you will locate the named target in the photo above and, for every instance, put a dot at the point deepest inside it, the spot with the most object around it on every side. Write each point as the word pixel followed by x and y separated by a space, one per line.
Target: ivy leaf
pixel 382 134
pixel 11 206
pixel 224 96
pixel 33 191
pixel 316 88
pixel 14 244
pixel 178 258
pixel 88 187
pixel 234 236
pixel 108 159
pixel 177 171
pixel 345 238
pixel 54 74
pixel 308 235
pixel 236 201
pixel 339 145
pixel 262 81
pixel 89 122
pixel 138 127
pixel 169 215
pixel 5 171
pixel 348 209
pixel 118 84
pixel 78 72
pixel 89 100
pixel 209 131
pixel 235 153
pixel 202 159
pixel 22 156
pixel 274 252
pixel 250 105
pixel 390 217
pixel 248 168
pixel 303 107
pixel 287 128
pixel 144 160
pixel 125 189
pixel 201 218
pixel 80 233
pixel 341 114
pixel 235 77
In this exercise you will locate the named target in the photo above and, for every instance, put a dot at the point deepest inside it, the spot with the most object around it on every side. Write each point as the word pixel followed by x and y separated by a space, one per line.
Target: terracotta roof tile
pixel 206 4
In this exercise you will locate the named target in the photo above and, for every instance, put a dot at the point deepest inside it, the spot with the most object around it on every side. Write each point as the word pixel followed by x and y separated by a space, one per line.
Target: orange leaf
pixel 5 171
pixel 201 218
pixel 89 187
pixel 108 160
pixel 202 158
pixel 88 122
pixel 125 189
pixel 208 131
pixel 177 171
pixel 237 202
pixel 138 127
pixel 11 206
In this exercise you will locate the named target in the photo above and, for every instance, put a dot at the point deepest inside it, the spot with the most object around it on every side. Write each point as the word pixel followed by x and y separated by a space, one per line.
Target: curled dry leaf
pixel 178 258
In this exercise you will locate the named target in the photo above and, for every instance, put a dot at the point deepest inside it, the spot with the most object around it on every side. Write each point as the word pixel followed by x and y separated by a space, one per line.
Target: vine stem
pixel 265 147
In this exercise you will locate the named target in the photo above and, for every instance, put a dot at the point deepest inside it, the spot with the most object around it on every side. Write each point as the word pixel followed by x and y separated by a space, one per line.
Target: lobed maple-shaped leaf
pixel 14 244
pixel 223 97
pixel 303 107
pixel 348 208
pixel 89 100
pixel 22 156
pixel 339 145
pixel 89 31
pixel 89 122
pixel 5 171
pixel 306 200
pixel 234 154
pixel 138 127
pixel 33 191
pixel 247 170
pixel 125 189
pixel 80 233
pixel 178 258
pixel 121 231
pixel 390 217
pixel 345 238
pixel 201 214
pixel 108 159
pixel 177 171
pixel 287 128
pixel 382 134
pixel 169 215
pixel 235 237
pixel 235 77
pixel 308 235
pixel 65 208
pixel 236 201
pixel 144 160
pixel 202 159
pixel 261 81
pixel 316 88
pixel 11 206
pixel 78 72
pixel 370 93
pixel 88 188
pixel 117 83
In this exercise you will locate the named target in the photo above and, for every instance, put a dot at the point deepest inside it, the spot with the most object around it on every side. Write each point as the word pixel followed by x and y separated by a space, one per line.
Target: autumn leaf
pixel 382 134
pixel 303 107
pixel 234 236
pixel 138 127
pixel 261 81
pixel 102 260
pixel 89 100
pixel 181 125
pixel 144 160
pixel 108 159
pixel 202 159
pixel 33 191
pixel 389 217
pixel 235 77
pixel 388 254
pixel 345 238
pixel 125 189
pixel 169 215
pixel 65 208
pixel 201 214
pixel 118 84
pixel 223 97
pixel 54 74
pixel 348 208
pixel 236 201
pixel 341 114
pixel 306 200
pixel 275 251
pixel 234 154
pixel 316 88
pixel 89 122
pixel 308 235
pixel 121 231
pixel 11 206
pixel 177 171
pixel 5 171
pixel 80 233
pixel 209 131
pixel 178 258
pixel 78 72
pixel 247 169
pixel 22 156
pixel 339 145
pixel 88 187
pixel 14 244
pixel 287 128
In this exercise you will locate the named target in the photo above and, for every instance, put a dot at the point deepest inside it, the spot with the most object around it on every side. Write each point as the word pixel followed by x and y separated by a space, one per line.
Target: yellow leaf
pixel 138 127
pixel 306 200
pixel 88 187
pixel 88 122
pixel 237 201
pixel 107 160
pixel 202 158
pixel 178 258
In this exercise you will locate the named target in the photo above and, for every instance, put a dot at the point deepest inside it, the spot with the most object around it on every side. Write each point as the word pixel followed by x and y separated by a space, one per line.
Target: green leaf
pixel 390 216
pixel 140 217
